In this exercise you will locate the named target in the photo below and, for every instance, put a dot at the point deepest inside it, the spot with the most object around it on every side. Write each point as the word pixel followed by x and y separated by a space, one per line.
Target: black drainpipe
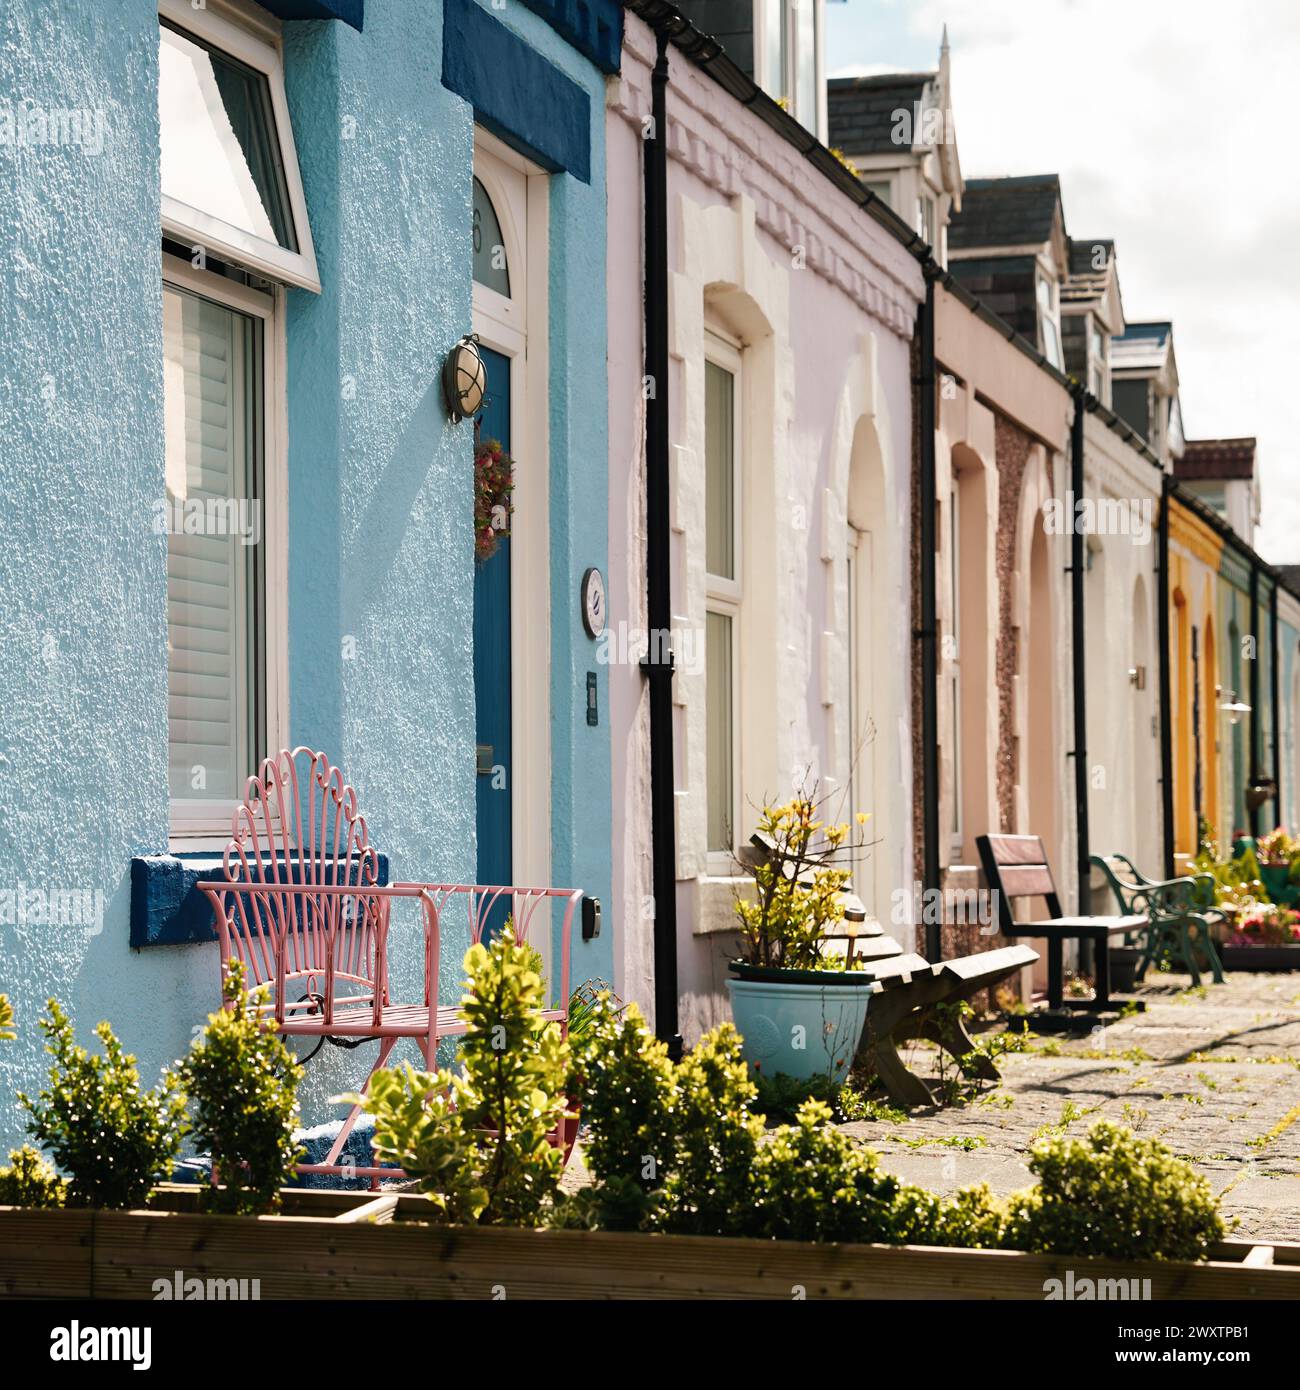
pixel 1256 725
pixel 1166 719
pixel 928 634
pixel 658 661
pixel 1080 751
pixel 1276 694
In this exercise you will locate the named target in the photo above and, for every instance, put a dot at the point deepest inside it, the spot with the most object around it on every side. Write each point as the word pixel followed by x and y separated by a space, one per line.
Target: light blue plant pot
pixel 800 1026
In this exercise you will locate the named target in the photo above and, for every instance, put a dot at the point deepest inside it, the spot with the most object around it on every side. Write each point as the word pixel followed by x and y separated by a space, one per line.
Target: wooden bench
pixel 911 1003
pixel 1015 866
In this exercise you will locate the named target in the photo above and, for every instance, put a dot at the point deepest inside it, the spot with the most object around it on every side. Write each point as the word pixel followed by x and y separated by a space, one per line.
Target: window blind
pixel 212 422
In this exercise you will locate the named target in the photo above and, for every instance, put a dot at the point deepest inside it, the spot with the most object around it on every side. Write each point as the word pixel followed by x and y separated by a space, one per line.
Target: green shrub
pixel 973 1218
pixel 1113 1194
pixel 809 1181
pixel 628 1089
pixel 113 1139
pixel 30 1182
pixel 243 1081
pixel 419 1128
pixel 513 1088
pixel 7 1033
pixel 717 1138
pixel 478 1141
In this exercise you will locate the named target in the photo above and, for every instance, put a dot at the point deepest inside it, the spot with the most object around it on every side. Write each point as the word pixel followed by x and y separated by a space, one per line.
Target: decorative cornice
pixel 746 157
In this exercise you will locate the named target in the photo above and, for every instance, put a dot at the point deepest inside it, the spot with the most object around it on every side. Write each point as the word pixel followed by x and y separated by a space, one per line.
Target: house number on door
pixel 593 602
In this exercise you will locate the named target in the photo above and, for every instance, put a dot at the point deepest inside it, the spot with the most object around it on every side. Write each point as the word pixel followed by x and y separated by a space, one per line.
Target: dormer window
pixel 1048 324
pixel 786 32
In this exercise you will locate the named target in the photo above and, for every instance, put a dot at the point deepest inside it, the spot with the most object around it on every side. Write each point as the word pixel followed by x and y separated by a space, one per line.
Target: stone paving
pixel 1214 1073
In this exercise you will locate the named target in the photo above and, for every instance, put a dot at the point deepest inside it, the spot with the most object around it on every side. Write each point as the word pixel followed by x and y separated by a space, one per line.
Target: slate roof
pixel 1005 212
pixel 860 110
pixel 1207 459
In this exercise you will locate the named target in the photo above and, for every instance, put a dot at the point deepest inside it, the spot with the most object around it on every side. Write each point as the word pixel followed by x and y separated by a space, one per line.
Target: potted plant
pixel 798 1008
pixel 1123 968
pixel 1275 852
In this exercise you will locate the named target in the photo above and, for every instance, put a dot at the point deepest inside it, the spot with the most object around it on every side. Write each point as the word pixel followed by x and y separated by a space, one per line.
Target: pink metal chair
pixel 301 907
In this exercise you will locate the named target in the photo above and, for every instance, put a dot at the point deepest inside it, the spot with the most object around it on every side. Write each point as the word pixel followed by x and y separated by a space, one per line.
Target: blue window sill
pixel 166 907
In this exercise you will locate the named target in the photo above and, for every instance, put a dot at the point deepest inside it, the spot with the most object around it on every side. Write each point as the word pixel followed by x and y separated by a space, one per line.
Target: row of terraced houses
pixel 835 468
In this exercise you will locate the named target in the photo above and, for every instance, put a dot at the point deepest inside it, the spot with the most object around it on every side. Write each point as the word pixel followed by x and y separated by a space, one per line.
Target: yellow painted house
pixel 1195 554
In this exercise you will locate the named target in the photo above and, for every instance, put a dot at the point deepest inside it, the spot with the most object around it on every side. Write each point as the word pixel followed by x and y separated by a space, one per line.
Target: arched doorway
pixel 1184 837
pixel 968 658
pixel 511 628
pixel 870 722
pixel 1210 704
pixel 1041 755
pixel 1143 794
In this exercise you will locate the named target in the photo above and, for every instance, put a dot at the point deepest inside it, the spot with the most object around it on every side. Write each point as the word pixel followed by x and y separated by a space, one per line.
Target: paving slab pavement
pixel 1212 1072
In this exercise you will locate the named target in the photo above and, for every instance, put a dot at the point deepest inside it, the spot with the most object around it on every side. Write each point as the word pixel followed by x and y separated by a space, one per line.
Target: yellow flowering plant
pixel 799 886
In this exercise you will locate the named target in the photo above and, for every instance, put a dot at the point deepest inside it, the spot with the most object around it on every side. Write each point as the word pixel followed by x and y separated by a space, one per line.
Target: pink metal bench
pixel 301 907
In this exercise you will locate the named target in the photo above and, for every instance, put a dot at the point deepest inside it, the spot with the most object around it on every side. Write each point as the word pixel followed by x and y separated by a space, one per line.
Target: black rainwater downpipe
pixel 1255 722
pixel 1166 719
pixel 1274 660
pixel 658 661
pixel 928 634
pixel 1079 669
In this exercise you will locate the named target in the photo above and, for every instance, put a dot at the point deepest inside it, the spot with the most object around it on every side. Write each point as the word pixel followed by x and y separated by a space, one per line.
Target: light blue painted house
pixel 237 243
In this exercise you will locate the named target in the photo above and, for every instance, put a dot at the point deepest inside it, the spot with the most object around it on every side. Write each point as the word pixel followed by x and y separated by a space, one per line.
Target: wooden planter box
pixel 1260 957
pixel 341 1245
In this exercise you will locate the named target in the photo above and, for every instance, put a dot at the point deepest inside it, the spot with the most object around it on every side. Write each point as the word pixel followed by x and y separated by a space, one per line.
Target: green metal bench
pixel 1179 913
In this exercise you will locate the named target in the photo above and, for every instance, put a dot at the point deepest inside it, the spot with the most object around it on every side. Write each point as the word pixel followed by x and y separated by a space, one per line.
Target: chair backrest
pixel 299 825
pixel 1015 866
pixel 1121 878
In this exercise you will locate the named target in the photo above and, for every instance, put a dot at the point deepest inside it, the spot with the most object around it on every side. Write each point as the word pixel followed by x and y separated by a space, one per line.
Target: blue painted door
pixel 492 666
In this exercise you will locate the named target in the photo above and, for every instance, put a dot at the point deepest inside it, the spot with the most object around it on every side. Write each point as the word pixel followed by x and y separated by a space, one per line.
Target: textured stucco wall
pixel 380 482
pixel 83 733
pixel 1121 592
pixel 380 498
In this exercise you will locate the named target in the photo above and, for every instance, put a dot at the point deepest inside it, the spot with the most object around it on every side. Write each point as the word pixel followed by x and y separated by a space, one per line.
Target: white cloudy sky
pixel 1172 126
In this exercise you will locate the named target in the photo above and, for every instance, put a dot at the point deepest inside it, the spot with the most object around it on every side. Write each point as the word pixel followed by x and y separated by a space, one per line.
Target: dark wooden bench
pixel 910 1005
pixel 1015 866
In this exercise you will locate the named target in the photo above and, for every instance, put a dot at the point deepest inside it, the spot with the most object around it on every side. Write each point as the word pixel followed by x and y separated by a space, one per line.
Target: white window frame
pixel 1052 314
pixel 725 596
pixel 769 69
pixel 874 179
pixel 201 823
pixel 517 326
pixel 255 43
